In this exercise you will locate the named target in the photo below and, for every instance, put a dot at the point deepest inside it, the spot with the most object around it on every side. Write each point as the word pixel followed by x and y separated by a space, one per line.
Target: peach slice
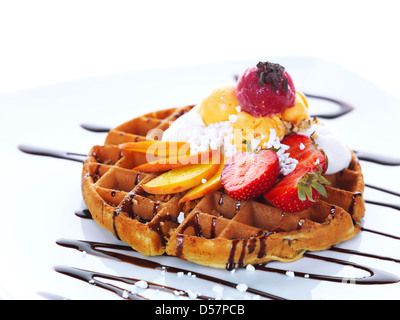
pixel 212 184
pixel 168 163
pixel 180 179
pixel 158 148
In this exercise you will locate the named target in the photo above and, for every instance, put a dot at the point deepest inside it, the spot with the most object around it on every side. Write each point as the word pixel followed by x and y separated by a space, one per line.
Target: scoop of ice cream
pixel 259 128
pixel 265 90
pixel 299 111
pixel 219 104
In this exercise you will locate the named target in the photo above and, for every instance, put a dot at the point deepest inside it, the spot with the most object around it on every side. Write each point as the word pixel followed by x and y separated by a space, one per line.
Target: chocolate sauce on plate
pixel 112 251
pixel 344 107
pixel 72 156
pixel 375 158
pixel 94 128
pixel 94 277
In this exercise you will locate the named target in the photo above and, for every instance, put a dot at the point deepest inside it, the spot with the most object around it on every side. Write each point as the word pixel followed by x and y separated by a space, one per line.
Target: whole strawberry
pixel 250 174
pixel 298 190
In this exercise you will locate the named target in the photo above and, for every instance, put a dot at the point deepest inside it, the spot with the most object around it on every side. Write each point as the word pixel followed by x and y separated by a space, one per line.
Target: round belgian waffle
pixel 214 230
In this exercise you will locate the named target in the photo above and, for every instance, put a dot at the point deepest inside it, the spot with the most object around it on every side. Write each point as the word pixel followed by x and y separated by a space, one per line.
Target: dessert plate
pixel 52 250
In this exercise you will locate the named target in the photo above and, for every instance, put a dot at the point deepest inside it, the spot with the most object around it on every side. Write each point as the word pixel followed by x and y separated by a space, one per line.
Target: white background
pixel 52 41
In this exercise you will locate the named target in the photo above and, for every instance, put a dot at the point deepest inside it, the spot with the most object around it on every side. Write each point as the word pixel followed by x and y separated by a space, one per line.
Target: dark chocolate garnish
pixel 269 72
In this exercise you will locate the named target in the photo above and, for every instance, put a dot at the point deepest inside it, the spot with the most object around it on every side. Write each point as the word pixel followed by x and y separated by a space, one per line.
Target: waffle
pixel 145 127
pixel 216 230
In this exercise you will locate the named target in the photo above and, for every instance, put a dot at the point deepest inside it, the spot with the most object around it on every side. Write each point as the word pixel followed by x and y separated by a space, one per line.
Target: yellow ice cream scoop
pixel 219 104
pixel 247 128
pixel 299 111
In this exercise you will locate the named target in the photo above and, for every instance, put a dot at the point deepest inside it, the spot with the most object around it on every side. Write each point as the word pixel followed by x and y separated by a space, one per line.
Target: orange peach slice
pixel 158 148
pixel 212 184
pixel 180 179
pixel 168 163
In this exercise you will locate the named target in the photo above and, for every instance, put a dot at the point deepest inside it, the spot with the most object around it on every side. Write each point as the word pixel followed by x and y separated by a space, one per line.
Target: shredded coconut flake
pixel 233 118
pixel 286 164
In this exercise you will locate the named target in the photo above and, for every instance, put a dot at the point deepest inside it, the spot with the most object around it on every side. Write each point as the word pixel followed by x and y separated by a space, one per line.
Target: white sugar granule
pixel 242 287
pixel 181 217
pixel 250 267
pixel 290 274
pixel 192 294
pixel 141 284
pixel 218 289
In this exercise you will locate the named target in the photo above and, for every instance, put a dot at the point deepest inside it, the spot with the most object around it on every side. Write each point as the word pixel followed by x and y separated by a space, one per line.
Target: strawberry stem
pixel 310 181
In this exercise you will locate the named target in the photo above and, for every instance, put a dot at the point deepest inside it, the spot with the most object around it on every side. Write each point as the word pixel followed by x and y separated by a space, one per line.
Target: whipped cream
pixel 191 128
pixel 339 156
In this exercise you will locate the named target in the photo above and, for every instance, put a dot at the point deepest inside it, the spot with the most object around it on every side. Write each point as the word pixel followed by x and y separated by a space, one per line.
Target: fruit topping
pixel 205 187
pixel 265 90
pixel 180 179
pixel 158 148
pixel 173 162
pixel 299 189
pixel 303 149
pixel 247 175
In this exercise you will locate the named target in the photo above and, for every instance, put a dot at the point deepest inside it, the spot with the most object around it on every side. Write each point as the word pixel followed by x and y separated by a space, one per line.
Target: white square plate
pixel 40 195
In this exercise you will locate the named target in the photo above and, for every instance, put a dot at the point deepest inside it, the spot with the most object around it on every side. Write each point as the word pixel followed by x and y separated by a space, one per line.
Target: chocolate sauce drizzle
pixel 72 156
pixel 111 250
pixel 344 107
pixel 381 159
pixel 95 248
pixel 83 213
pixel 93 278
pixel 95 128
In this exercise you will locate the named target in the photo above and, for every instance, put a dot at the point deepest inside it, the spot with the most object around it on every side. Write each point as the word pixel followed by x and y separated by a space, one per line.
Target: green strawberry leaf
pixel 301 192
pixel 311 180
pixel 319 187
pixel 309 193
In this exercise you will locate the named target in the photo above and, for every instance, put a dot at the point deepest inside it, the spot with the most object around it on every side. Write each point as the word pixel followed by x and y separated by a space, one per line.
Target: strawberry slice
pixel 298 190
pixel 247 175
pixel 304 150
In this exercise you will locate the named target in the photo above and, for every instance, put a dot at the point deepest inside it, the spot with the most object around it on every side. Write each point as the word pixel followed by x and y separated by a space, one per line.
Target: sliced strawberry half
pixel 304 150
pixel 298 190
pixel 247 175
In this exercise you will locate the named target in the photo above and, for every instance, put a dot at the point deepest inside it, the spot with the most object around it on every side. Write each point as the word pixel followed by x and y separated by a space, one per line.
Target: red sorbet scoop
pixel 265 90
